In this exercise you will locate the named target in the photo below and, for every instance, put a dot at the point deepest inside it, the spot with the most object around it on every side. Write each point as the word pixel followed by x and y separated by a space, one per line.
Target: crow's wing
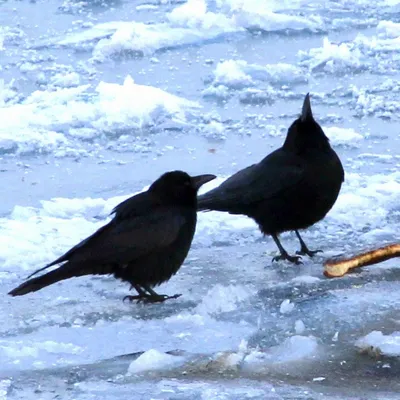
pixel 136 205
pixel 124 241
pixel 276 174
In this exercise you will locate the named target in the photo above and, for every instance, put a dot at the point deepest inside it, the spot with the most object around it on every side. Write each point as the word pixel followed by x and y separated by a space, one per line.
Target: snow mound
pixel 366 104
pixel 376 343
pixel 238 74
pixel 333 58
pixel 296 348
pixel 187 24
pixel 223 299
pixel 51 120
pixel 36 349
pixel 153 360
pixel 261 15
pixel 343 136
pixel 286 307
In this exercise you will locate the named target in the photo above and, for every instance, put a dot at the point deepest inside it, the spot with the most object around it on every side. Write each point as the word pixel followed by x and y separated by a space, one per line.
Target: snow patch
pixel 223 299
pixel 286 307
pixel 343 136
pixel 49 120
pixel 388 29
pixel 5 385
pixel 373 104
pixel 332 58
pixel 299 327
pixel 153 360
pixel 293 349
pixel 306 279
pixel 253 14
pixel 238 74
pixel 376 343
pixel 19 349
pixel 142 39
pixel 187 24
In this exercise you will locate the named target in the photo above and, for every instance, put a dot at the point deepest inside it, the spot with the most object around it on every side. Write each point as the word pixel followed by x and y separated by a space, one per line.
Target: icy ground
pixel 97 99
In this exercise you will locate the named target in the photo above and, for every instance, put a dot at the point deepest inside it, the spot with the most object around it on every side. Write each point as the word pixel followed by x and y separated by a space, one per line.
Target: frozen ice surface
pixel 104 97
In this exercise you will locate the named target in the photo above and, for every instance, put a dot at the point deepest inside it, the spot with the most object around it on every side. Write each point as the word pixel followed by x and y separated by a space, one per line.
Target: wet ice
pixel 216 81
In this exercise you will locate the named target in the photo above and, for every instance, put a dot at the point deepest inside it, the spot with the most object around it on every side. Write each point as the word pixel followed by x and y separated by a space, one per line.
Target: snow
pixel 343 137
pixel 223 299
pixel 146 39
pixel 66 80
pixel 307 279
pixel 332 58
pixel 102 99
pixel 286 307
pixel 22 349
pixel 294 349
pixel 253 14
pixel 388 29
pixel 188 23
pixel 378 343
pixel 4 386
pixel 374 104
pixel 238 74
pixel 50 120
pixel 152 360
pixel 299 327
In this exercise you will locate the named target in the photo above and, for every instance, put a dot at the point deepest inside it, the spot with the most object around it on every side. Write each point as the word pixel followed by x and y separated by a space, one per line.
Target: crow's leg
pixel 284 254
pixel 141 296
pixel 304 250
pixel 154 297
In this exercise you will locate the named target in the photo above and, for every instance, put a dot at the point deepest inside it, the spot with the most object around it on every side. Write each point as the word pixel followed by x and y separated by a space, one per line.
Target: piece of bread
pixel 337 268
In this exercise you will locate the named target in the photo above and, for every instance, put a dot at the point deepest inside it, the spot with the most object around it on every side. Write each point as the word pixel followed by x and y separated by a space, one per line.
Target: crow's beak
pixel 306 112
pixel 199 180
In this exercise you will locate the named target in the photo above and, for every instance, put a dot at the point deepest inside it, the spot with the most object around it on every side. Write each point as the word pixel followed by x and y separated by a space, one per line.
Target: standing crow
pixel 144 244
pixel 292 188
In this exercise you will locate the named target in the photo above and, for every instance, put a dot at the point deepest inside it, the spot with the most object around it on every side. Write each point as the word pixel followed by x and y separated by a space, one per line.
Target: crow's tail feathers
pixel 66 271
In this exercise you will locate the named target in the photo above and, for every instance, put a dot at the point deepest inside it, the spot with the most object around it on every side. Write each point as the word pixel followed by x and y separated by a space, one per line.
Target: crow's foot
pixel 307 252
pixel 285 256
pixel 146 299
pixel 160 298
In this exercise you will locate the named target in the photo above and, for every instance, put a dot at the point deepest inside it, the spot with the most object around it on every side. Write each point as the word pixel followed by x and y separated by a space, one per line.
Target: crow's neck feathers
pixel 305 134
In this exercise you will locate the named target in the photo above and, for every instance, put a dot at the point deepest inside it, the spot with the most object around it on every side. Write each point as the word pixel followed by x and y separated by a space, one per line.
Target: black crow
pixel 144 244
pixel 292 188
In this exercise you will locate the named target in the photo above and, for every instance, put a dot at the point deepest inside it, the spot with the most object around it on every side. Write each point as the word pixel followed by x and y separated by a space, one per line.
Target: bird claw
pixel 293 259
pixel 307 252
pixel 133 298
pixel 160 298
